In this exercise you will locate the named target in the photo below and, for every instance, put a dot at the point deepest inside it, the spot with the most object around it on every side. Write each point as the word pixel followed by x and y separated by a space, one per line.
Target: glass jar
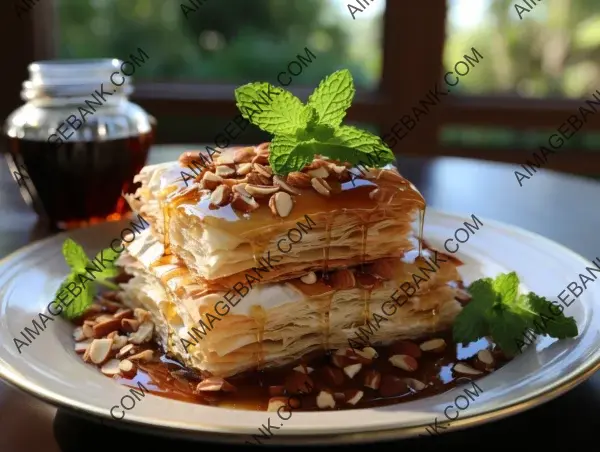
pixel 77 142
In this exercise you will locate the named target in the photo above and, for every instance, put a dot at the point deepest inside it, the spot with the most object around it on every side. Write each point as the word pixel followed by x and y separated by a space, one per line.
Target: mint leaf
pixel 78 304
pixel 270 108
pixel 506 329
pixel 309 116
pixel 106 259
pixel 550 322
pixel 333 97
pixel 375 151
pixel 284 157
pixel 283 160
pixel 76 258
pixel 507 286
pixel 74 255
pixel 472 322
pixel 498 311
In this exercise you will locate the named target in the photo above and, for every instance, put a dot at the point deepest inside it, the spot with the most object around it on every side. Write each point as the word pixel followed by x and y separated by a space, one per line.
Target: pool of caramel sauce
pixel 167 378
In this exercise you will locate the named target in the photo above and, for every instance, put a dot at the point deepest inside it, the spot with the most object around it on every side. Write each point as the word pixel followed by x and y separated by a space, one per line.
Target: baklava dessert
pixel 297 263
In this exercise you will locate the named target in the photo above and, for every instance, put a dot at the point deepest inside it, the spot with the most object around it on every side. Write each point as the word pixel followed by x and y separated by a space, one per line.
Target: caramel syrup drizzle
pixel 259 315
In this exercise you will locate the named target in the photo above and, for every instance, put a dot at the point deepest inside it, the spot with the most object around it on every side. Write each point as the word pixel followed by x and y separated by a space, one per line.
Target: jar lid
pixel 76 78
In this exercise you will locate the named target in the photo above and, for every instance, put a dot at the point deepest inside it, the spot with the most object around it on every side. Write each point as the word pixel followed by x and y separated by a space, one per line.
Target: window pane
pixel 233 41
pixel 553 51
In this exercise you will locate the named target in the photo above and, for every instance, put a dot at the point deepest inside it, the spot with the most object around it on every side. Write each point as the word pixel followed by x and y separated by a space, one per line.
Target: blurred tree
pixel 553 51
pixel 223 41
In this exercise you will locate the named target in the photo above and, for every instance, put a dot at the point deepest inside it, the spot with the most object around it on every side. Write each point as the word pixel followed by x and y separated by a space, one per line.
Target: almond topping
pixel 263 170
pixel 276 403
pixel 243 203
pixel 224 171
pixel 373 379
pixel 342 279
pixel 213 384
pixel 260 191
pixel 377 195
pixel 263 148
pixel 262 159
pixel 353 396
pixel 309 278
pixel 221 196
pixel 130 325
pixel 81 347
pixel 352 370
pixel 325 400
pixel 123 314
pixel 406 348
pixel 304 369
pixel 339 170
pixel 319 172
pixel 243 155
pixel 466 370
pixel 415 384
pixel 110 368
pixel 128 349
pixel 78 334
pixel 284 185
pixel 103 328
pixel 241 189
pixel 103 318
pixel 320 186
pixel 256 179
pixel 145 356
pixel 99 350
pixel 143 334
pixel 119 342
pixel 141 315
pixel 127 368
pixel 368 352
pixel 210 181
pixel 404 362
pixel 88 330
pixel 300 180
pixel 188 157
pixel 433 345
pixel 244 168
pixel 281 204
pixel 391 176
pixel 486 357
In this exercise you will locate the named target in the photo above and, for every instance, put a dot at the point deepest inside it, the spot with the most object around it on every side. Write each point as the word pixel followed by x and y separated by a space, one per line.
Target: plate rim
pixel 199 431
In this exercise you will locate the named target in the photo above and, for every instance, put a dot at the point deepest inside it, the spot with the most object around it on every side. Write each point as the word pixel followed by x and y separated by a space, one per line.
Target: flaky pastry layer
pixel 277 323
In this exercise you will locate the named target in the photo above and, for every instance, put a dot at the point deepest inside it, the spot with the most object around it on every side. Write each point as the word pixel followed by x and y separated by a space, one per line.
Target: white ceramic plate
pixel 50 370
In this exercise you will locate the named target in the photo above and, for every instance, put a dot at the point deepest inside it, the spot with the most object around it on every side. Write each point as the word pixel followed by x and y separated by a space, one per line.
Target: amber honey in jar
pixel 77 143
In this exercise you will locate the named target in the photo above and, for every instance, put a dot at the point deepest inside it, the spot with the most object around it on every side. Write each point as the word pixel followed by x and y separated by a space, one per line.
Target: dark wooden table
pixel 561 207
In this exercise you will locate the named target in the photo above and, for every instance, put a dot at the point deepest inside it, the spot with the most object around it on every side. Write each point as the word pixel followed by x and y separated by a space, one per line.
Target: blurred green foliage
pixel 232 41
pixel 554 51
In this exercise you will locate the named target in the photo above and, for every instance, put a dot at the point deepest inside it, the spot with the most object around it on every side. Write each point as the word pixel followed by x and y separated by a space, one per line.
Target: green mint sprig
pixel 498 311
pixel 303 131
pixel 77 260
